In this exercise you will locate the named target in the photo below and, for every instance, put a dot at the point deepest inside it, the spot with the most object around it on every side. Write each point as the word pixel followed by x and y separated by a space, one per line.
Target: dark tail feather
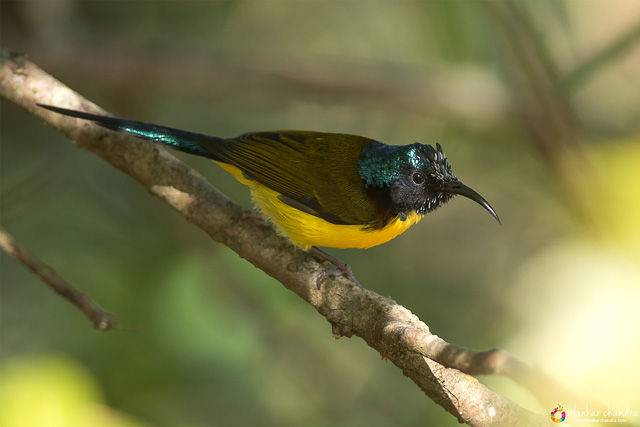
pixel 177 139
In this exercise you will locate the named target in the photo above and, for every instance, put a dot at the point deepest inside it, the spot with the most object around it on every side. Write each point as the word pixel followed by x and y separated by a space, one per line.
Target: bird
pixel 320 189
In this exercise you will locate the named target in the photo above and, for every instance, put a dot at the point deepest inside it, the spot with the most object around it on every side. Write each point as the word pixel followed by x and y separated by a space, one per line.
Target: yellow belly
pixel 307 230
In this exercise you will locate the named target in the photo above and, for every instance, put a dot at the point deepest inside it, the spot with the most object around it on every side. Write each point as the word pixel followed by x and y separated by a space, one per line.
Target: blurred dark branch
pixel 581 74
pixel 101 320
pixel 386 326
pixel 543 106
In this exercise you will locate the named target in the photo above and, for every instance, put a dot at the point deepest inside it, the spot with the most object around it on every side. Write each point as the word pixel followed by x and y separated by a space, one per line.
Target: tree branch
pixel 101 320
pixel 386 326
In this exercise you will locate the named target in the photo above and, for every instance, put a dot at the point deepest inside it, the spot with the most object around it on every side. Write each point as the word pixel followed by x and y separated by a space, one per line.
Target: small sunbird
pixel 321 189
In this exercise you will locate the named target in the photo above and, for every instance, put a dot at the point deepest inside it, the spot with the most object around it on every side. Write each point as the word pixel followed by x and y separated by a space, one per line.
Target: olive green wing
pixel 314 172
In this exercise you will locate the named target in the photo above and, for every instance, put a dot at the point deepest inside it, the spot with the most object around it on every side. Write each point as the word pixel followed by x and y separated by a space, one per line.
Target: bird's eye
pixel 417 178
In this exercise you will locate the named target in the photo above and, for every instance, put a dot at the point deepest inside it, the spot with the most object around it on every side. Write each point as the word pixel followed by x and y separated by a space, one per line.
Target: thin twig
pixel 492 362
pixel 101 320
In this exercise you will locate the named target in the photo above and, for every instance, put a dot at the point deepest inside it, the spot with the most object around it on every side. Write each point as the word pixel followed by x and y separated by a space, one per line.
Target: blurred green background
pixel 536 104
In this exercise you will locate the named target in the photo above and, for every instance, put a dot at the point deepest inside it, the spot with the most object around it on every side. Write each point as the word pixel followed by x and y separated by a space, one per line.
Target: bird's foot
pixel 342 269
pixel 252 214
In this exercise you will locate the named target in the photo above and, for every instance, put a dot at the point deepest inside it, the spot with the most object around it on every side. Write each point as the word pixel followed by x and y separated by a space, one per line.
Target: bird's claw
pixel 342 268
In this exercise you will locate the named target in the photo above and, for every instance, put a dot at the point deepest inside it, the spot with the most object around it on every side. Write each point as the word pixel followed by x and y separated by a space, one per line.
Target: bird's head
pixel 418 177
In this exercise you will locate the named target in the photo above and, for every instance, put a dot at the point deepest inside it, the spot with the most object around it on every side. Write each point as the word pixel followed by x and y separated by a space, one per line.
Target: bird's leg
pixel 342 267
pixel 253 214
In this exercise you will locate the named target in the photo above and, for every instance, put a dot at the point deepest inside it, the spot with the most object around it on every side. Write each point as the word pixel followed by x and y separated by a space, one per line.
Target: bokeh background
pixel 536 103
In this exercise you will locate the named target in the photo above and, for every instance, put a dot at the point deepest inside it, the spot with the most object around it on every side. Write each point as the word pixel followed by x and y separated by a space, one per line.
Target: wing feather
pixel 314 172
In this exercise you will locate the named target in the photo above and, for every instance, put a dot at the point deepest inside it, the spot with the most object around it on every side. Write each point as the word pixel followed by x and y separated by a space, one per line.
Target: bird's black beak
pixel 456 187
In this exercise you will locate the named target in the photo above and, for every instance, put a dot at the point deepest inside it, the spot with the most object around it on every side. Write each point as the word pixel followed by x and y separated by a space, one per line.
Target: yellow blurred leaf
pixel 53 391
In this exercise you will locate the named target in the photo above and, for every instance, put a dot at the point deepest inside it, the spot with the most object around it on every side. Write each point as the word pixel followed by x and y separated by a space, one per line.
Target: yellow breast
pixel 307 230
